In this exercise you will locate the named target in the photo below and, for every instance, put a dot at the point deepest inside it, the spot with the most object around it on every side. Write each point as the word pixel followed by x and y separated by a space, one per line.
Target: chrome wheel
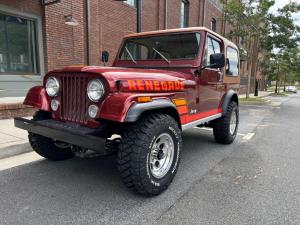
pixel 161 155
pixel 233 123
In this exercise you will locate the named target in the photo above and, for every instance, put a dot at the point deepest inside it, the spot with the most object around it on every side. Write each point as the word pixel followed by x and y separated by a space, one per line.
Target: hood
pixel 120 74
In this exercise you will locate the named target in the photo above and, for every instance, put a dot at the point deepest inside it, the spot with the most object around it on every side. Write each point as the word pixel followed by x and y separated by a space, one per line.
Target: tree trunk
pixel 284 82
pixel 277 79
pixel 254 57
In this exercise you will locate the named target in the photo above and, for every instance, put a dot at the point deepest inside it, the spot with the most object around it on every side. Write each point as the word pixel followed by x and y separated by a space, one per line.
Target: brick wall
pixel 211 11
pixel 65 44
pixel 109 22
pixel 29 6
pixel 15 109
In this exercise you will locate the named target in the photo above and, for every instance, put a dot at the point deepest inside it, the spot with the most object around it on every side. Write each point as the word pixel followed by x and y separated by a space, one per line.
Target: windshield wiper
pixel 130 55
pixel 162 56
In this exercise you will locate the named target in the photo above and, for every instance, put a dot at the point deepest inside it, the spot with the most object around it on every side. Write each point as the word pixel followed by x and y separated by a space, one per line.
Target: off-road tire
pixel 221 127
pixel 44 146
pixel 135 149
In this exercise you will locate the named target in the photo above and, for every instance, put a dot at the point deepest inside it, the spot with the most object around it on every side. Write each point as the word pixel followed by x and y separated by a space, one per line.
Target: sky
pixel 281 3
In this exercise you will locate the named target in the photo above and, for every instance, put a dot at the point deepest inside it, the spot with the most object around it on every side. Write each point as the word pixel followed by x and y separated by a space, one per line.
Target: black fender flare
pixel 137 109
pixel 231 95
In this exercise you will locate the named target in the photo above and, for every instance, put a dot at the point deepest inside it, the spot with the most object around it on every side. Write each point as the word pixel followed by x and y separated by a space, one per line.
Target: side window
pixel 212 47
pixel 232 62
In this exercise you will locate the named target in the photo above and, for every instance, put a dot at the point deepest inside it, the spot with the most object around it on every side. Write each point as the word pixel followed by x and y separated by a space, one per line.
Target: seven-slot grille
pixel 74 102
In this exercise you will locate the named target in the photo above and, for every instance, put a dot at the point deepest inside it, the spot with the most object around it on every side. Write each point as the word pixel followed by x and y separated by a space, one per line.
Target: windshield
pixel 163 47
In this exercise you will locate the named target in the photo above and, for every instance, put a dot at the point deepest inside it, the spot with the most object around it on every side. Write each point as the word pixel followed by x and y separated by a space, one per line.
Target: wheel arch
pixel 230 96
pixel 165 106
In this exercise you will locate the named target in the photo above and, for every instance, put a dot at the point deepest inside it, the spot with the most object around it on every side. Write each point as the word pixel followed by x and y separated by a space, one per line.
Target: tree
pixel 283 66
pixel 259 30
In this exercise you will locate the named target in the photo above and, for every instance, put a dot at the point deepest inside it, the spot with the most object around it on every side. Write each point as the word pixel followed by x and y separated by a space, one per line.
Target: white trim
pixel 201 121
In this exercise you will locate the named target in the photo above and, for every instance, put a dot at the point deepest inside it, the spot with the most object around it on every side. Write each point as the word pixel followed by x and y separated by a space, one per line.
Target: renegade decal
pixel 154 85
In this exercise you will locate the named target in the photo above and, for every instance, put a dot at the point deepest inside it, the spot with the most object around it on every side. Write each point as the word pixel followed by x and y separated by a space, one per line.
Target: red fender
pixel 37 98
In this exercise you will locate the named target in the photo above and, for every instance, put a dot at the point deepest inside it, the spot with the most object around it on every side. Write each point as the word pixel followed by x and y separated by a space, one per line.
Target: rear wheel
pixel 225 128
pixel 46 147
pixel 149 155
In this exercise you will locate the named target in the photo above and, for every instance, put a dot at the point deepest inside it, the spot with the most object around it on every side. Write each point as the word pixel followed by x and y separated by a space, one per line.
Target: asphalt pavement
pixel 256 180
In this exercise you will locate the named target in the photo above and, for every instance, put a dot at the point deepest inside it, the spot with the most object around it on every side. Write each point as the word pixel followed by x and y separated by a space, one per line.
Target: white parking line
pixel 19 160
pixel 210 129
pixel 248 136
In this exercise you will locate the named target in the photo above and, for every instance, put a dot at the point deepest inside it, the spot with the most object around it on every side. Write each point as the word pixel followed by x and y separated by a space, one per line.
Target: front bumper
pixel 71 133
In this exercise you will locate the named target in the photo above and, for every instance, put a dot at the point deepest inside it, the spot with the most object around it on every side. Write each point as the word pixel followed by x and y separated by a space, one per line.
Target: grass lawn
pixel 253 100
pixel 281 94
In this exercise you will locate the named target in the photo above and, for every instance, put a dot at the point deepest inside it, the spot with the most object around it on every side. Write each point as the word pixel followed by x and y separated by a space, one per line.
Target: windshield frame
pixel 187 61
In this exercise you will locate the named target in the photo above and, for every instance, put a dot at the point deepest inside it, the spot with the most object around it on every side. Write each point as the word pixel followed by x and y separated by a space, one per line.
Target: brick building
pixel 35 38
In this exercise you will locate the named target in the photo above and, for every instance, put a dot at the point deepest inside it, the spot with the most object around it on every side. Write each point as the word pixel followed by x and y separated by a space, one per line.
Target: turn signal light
pixel 179 101
pixel 144 99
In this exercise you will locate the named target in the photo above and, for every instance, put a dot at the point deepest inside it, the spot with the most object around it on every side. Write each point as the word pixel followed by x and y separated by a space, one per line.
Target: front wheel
pixel 225 128
pixel 150 154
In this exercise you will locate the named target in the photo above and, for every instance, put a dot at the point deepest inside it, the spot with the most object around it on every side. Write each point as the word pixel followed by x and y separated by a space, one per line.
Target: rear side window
pixel 232 62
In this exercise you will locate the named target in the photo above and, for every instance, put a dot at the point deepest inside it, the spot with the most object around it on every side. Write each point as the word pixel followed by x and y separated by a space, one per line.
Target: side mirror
pixel 104 56
pixel 217 61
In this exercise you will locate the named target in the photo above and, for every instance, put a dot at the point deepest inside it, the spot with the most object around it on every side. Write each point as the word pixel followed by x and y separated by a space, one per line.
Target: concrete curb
pixel 14 150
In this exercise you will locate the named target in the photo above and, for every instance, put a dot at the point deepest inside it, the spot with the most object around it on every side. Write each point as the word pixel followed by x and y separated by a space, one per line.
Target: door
pixel 209 80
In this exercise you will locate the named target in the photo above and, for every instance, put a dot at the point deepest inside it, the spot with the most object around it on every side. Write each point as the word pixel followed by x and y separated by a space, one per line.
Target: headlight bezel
pixel 101 88
pixel 56 81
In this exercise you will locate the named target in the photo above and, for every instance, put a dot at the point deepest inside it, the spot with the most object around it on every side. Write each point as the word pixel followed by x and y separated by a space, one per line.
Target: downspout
pixel 88 30
pixel 199 14
pixel 139 4
pixel 166 15
pixel 158 15
pixel 203 13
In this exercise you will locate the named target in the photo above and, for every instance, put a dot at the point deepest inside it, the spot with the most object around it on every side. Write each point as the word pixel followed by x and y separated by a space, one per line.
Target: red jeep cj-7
pixel 161 83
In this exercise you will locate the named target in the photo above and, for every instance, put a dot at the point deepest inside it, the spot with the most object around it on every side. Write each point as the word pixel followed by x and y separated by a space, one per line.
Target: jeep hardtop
pixel 161 83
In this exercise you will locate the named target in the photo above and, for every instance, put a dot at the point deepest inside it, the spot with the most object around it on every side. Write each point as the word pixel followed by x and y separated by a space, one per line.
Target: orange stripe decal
pixel 182 109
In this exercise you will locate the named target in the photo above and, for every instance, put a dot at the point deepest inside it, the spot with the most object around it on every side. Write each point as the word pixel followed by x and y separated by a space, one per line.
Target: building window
pixel 131 2
pixel 184 14
pixel 213 25
pixel 18 45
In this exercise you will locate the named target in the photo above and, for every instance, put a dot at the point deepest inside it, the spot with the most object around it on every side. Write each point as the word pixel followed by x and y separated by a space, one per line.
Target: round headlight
pixel 52 86
pixel 95 90
pixel 54 104
pixel 93 111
